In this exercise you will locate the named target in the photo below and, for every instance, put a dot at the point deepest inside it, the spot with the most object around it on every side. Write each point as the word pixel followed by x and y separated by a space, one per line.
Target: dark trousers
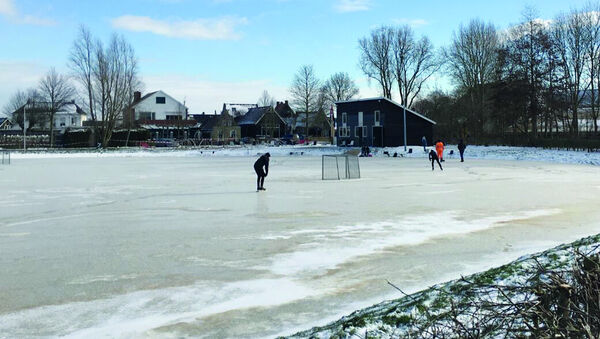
pixel 462 155
pixel 260 179
pixel 433 162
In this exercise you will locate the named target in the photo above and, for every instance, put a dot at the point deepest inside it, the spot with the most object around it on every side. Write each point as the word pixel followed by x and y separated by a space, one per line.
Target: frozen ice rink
pixel 184 246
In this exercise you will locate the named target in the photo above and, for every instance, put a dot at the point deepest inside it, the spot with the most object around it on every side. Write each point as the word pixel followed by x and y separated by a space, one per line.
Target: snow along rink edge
pixel 393 318
pixel 472 152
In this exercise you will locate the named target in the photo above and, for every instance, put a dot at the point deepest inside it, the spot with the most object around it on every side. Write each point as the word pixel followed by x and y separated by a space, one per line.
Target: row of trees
pixel 534 79
pixel 37 106
pixel 311 94
pixel 104 77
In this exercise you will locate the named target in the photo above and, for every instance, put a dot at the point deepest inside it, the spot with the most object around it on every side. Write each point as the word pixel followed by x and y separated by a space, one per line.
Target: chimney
pixel 137 96
pixel 286 102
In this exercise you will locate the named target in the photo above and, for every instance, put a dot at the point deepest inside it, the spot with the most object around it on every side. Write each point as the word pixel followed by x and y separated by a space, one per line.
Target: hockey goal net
pixel 340 166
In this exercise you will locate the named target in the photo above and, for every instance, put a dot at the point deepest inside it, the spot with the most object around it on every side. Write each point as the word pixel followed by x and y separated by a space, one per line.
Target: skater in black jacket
pixel 433 157
pixel 263 161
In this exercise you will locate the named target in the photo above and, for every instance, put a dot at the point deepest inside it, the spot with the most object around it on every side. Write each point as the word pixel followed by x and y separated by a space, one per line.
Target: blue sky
pixel 207 52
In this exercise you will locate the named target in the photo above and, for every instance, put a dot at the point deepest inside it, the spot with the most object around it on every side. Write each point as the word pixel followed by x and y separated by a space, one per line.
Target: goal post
pixel 339 166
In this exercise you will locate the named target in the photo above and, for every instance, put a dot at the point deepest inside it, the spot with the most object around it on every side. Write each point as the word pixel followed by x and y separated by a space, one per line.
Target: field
pixel 184 245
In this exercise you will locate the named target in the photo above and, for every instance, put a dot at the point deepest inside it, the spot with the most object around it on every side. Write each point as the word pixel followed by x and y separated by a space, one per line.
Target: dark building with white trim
pixel 379 122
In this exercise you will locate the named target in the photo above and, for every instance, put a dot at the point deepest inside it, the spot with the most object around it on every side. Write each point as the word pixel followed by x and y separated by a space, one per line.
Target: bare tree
pixel 591 22
pixel 266 100
pixel 305 91
pixel 16 103
pixel 56 91
pixel 339 87
pixel 527 49
pixel 108 76
pixel 82 61
pixel 570 38
pixel 413 61
pixel 117 77
pixel 375 58
pixel 471 58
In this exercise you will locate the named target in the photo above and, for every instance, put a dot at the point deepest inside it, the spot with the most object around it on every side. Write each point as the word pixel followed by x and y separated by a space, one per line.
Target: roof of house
pixel 3 120
pixel 284 110
pixel 206 121
pixel 301 118
pixel 151 94
pixel 69 108
pixel 392 102
pixel 254 115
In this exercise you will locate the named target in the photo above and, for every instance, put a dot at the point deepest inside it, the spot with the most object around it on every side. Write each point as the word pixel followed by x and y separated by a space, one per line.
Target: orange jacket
pixel 439 146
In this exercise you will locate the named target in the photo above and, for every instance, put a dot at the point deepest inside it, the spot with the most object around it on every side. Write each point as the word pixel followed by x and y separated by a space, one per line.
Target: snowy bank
pixel 462 305
pixel 472 152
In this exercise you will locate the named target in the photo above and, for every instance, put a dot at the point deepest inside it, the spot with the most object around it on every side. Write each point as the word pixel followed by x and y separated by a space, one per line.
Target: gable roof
pixel 393 103
pixel 255 114
pixel 151 94
pixel 284 110
pixel 206 121
pixel 41 106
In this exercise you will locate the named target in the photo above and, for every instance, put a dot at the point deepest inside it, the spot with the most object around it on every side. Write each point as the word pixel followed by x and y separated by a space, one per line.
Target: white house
pixel 157 106
pixel 70 115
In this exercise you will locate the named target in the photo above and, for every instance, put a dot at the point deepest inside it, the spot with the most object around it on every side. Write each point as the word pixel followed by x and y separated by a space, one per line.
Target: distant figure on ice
pixel 263 161
pixel 424 143
pixel 439 148
pixel 433 157
pixel 365 151
pixel 461 150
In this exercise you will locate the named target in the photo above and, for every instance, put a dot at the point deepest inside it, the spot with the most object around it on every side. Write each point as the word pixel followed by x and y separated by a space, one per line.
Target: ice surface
pixel 180 244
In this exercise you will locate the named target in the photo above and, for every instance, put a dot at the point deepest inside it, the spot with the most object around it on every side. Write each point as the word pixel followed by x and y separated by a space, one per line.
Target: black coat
pixel 262 161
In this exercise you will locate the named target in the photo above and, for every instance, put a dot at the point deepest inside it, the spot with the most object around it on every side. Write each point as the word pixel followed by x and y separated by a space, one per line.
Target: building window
pixel 146 115
pixel 377 118
pixel 161 100
pixel 232 134
pixel 344 132
pixel 63 121
pixel 72 120
pixel 344 119
pixel 173 117
pixel 360 118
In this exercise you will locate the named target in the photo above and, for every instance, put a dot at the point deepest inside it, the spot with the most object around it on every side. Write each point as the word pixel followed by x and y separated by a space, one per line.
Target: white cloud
pixel 200 29
pixel 8 10
pixel 36 21
pixel 16 75
pixel 412 22
pixel 352 5
pixel 202 95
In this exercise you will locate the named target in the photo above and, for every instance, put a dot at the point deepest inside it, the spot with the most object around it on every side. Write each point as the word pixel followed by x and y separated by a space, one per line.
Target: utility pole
pixel 332 125
pixel 404 128
pixel 24 126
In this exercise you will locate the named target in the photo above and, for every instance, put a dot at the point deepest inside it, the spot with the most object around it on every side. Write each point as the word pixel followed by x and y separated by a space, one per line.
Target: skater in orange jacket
pixel 439 148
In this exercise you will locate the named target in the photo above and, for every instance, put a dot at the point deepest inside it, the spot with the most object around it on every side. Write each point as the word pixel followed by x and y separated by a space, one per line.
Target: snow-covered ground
pixel 178 243
pixel 472 152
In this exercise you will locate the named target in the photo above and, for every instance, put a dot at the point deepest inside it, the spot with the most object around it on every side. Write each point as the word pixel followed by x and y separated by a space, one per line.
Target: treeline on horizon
pixel 534 81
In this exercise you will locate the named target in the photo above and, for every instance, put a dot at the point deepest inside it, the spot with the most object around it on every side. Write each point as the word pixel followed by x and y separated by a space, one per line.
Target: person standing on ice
pixel 433 157
pixel 263 161
pixel 439 148
pixel 461 150
pixel 424 143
